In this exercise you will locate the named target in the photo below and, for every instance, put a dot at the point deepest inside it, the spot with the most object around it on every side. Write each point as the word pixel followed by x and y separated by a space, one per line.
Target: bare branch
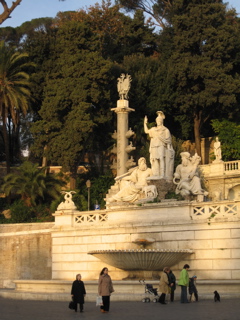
pixel 6 10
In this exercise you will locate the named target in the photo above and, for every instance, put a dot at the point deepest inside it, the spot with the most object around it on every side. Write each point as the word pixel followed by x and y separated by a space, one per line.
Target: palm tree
pixel 14 90
pixel 32 183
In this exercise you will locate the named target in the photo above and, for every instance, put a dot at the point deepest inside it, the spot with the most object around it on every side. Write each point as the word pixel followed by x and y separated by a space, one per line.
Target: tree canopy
pixel 201 75
pixel 14 90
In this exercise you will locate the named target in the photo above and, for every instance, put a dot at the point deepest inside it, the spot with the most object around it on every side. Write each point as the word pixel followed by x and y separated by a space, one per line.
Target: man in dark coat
pixel 78 292
pixel 172 284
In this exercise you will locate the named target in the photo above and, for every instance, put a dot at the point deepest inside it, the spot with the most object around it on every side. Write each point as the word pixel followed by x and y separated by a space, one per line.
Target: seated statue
pixel 134 185
pixel 186 177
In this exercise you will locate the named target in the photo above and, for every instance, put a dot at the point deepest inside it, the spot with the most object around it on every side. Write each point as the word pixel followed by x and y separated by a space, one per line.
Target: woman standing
pixel 184 282
pixel 105 288
pixel 164 285
pixel 78 292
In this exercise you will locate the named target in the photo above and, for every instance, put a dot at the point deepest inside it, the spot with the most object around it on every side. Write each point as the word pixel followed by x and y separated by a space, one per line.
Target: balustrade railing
pixel 90 218
pixel 231 165
pixel 210 211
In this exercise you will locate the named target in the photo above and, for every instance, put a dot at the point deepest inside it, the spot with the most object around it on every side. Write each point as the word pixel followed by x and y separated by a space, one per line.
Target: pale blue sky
pixel 31 9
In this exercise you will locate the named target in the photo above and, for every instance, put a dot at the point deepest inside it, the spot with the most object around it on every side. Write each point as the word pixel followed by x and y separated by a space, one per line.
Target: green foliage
pixel 99 188
pixel 3 204
pixel 80 201
pixel 32 184
pixel 42 213
pixel 3 220
pixel 201 80
pixel 74 110
pixel 14 90
pixel 173 195
pixel 20 212
pixel 229 135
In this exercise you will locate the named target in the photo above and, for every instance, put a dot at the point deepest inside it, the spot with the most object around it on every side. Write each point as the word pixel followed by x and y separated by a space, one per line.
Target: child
pixel 192 288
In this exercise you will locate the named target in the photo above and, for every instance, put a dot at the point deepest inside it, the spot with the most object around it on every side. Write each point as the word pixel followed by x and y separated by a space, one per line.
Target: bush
pixel 2 219
pixel 42 213
pixel 3 204
pixel 20 213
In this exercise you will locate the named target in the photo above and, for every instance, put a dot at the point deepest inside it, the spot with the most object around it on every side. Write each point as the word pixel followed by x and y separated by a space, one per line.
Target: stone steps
pixel 91 297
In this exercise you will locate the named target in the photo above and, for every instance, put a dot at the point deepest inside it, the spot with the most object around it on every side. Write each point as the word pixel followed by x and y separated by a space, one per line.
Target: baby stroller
pixel 150 291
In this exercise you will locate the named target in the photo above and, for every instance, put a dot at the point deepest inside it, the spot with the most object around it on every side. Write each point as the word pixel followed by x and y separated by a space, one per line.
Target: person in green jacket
pixel 184 282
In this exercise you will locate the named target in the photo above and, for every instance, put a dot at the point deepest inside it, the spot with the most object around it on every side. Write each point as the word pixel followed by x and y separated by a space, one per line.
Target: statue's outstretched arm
pixel 146 130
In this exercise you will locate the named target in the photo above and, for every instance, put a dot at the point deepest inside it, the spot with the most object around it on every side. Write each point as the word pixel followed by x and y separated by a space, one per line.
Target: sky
pixel 32 9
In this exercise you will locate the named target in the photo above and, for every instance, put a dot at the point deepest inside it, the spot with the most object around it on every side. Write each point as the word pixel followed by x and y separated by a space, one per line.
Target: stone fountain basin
pixel 141 259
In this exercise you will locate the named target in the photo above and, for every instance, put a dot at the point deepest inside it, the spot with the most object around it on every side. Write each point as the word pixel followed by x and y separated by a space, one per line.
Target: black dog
pixel 216 296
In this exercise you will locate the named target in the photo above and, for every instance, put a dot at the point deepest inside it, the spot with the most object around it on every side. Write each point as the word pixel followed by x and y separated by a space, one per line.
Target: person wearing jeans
pixel 184 282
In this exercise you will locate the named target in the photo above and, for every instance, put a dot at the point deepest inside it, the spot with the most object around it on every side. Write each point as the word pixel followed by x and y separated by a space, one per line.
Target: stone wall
pixel 211 230
pixel 25 252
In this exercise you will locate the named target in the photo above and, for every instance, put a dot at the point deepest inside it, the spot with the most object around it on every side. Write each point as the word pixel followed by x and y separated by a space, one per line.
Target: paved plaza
pixel 47 310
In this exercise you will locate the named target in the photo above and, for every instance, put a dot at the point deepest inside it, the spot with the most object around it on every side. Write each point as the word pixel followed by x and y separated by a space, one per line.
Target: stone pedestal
pixel 163 187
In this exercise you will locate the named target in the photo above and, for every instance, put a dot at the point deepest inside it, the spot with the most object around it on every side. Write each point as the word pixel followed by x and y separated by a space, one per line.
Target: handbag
pixel 71 305
pixel 99 301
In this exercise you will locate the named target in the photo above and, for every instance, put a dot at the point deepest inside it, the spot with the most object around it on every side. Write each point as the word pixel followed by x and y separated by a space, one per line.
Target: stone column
pixel 122 111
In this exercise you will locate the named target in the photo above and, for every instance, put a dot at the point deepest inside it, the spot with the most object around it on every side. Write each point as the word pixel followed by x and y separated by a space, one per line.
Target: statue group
pixel 138 184
pixel 142 183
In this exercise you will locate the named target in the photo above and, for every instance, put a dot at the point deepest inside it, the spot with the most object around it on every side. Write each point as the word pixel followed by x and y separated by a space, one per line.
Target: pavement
pixel 11 309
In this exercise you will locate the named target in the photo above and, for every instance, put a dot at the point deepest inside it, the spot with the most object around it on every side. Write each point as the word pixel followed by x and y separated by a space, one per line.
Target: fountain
pixel 85 242
pixel 144 260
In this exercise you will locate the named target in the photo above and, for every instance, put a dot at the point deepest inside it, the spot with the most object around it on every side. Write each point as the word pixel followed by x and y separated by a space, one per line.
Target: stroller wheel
pixel 144 300
pixel 147 300
pixel 155 300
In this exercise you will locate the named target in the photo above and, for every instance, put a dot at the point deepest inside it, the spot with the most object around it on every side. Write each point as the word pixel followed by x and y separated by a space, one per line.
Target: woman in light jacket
pixel 164 285
pixel 105 288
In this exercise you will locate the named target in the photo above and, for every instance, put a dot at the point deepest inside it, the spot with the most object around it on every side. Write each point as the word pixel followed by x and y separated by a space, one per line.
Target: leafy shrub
pixel 20 213
pixel 42 213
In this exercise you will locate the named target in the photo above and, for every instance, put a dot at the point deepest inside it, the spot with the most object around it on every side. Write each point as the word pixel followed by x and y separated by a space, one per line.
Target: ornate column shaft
pixel 122 111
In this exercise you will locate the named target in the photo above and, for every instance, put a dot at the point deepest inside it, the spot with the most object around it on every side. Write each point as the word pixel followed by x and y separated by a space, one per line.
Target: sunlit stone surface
pixel 142 259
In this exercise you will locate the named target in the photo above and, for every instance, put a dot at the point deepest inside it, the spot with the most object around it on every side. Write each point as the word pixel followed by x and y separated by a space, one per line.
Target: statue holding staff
pixel 161 150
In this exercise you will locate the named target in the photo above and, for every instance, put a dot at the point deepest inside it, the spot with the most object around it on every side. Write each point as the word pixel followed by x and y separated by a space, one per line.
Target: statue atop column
pixel 123 86
pixel 161 150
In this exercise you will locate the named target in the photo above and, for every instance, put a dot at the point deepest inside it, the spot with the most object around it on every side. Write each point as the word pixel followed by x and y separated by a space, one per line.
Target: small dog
pixel 216 296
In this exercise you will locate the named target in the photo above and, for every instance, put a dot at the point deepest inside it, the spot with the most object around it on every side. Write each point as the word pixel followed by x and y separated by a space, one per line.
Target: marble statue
pixel 217 151
pixel 134 185
pixel 161 150
pixel 68 204
pixel 123 86
pixel 186 177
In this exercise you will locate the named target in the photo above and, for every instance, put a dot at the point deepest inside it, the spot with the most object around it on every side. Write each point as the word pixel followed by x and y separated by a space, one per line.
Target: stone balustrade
pixel 232 166
pixel 224 209
pixel 198 210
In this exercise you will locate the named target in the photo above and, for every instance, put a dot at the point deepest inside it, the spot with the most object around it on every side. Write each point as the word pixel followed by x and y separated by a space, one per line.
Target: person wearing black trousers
pixel 172 284
pixel 78 292
pixel 105 288
pixel 164 285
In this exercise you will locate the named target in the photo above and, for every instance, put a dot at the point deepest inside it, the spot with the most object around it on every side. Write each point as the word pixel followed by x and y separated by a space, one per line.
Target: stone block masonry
pixel 25 252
